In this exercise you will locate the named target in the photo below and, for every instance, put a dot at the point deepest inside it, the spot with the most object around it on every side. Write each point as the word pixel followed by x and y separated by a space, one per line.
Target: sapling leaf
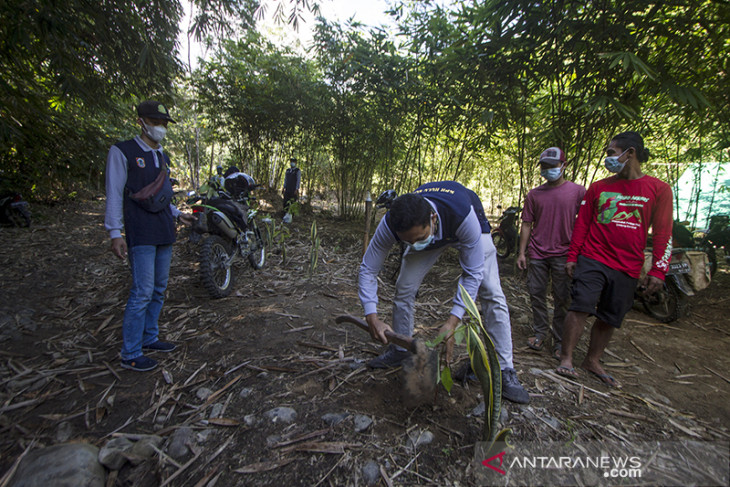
pixel 433 343
pixel 446 379
pixel 459 335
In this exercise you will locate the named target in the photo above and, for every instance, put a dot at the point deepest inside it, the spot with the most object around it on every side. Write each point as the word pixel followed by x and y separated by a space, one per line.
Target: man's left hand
pixel 652 285
pixel 187 218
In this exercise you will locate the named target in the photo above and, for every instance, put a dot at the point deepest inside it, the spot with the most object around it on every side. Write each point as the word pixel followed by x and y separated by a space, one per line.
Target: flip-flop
pixel 556 352
pixel 537 344
pixel 605 378
pixel 569 372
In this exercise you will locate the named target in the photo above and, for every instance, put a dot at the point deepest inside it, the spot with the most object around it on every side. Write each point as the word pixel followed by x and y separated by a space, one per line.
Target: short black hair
pixel 625 140
pixel 408 211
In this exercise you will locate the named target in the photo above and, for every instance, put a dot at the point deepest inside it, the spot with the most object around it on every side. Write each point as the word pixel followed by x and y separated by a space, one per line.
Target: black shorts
pixel 600 291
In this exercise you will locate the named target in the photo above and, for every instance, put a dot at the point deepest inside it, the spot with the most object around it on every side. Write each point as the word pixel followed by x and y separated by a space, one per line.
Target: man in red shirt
pixel 607 250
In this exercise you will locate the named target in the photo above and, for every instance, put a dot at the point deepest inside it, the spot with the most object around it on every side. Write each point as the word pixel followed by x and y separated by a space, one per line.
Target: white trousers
pixel 495 314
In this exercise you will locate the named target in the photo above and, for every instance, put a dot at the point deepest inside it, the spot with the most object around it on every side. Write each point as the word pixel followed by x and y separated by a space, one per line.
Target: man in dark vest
pixel 132 165
pixel 434 217
pixel 292 179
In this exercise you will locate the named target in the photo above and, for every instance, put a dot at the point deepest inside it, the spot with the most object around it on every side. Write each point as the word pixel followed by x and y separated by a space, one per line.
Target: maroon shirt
pixel 552 211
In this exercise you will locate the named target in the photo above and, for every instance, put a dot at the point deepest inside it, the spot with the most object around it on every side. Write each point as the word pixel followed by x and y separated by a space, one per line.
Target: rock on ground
pixel 65 465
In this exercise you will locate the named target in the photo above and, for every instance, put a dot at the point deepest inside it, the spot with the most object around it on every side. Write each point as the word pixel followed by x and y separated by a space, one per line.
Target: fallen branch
pixel 354 372
pixel 264 466
pixel 333 447
pixel 559 378
pixel 9 474
pixel 718 374
pixel 626 414
pixel 642 351
pixel 303 437
pixel 181 470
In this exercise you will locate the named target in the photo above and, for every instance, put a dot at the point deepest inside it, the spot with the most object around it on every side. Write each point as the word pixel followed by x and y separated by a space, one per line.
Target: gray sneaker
pixel 392 357
pixel 512 390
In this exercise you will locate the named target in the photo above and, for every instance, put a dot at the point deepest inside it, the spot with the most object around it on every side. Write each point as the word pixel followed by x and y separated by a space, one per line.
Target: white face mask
pixel 552 174
pixel 155 132
pixel 612 163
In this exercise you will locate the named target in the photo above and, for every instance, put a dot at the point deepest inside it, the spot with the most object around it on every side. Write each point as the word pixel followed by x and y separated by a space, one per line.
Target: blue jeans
pixel 150 266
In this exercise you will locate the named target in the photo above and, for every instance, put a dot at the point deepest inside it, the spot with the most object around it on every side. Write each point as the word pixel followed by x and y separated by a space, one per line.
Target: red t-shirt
pixel 552 211
pixel 614 220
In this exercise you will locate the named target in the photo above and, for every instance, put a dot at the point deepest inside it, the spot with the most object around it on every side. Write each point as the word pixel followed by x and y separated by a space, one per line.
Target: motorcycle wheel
pixel 667 304
pixel 501 244
pixel 18 217
pixel 257 255
pixel 218 279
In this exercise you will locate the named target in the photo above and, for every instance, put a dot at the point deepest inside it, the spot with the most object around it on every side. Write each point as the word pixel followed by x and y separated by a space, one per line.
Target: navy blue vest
pixel 142 227
pixel 290 181
pixel 453 203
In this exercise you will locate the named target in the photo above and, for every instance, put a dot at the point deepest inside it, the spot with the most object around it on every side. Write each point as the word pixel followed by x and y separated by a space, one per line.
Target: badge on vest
pixel 140 162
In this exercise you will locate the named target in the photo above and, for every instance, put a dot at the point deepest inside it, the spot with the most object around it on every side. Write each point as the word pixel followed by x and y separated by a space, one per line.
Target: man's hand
pixel 119 247
pixel 570 268
pixel 447 329
pixel 187 218
pixel 650 284
pixel 377 328
pixel 522 261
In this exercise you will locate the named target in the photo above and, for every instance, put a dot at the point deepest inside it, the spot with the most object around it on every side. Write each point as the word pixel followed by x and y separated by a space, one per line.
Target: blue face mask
pixel 612 164
pixel 422 244
pixel 552 174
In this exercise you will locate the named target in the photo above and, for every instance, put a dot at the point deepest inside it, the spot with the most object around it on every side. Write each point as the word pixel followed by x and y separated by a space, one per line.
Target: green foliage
pixel 71 74
pixel 473 93
pixel 276 237
pixel 485 364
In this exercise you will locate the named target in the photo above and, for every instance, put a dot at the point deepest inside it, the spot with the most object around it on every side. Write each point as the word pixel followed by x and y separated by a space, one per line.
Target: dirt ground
pixel 274 343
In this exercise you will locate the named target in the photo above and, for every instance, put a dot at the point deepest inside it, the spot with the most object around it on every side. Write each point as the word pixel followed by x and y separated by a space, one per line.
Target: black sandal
pixel 537 344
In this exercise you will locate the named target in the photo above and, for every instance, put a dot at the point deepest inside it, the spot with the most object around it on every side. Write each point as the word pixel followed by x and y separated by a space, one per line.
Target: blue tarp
pixel 703 190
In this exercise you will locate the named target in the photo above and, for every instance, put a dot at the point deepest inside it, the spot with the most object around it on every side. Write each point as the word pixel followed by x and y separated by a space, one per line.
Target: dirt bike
pixel 14 210
pixel 682 280
pixel 716 237
pixel 506 233
pixel 233 231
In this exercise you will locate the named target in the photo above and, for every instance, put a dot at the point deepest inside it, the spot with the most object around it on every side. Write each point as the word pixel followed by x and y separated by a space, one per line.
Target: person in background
pixel 606 252
pixel 131 166
pixel 434 217
pixel 292 180
pixel 547 224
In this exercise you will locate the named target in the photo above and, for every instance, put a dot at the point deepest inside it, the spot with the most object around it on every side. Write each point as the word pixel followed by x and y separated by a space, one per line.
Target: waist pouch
pixel 156 196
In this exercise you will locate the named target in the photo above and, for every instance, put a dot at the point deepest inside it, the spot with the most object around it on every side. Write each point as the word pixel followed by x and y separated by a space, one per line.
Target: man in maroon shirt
pixel 547 225
pixel 607 250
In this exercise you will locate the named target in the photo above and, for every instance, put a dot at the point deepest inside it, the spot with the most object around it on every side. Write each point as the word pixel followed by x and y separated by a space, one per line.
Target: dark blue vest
pixel 290 181
pixel 142 227
pixel 453 203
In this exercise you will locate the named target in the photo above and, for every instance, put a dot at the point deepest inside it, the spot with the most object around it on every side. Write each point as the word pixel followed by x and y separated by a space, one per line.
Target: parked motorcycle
pixel 689 271
pixel 505 236
pixel 14 210
pixel 232 231
pixel 716 237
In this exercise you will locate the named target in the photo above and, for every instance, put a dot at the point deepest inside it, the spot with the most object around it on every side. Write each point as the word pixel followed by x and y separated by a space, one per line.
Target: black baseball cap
pixel 153 109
